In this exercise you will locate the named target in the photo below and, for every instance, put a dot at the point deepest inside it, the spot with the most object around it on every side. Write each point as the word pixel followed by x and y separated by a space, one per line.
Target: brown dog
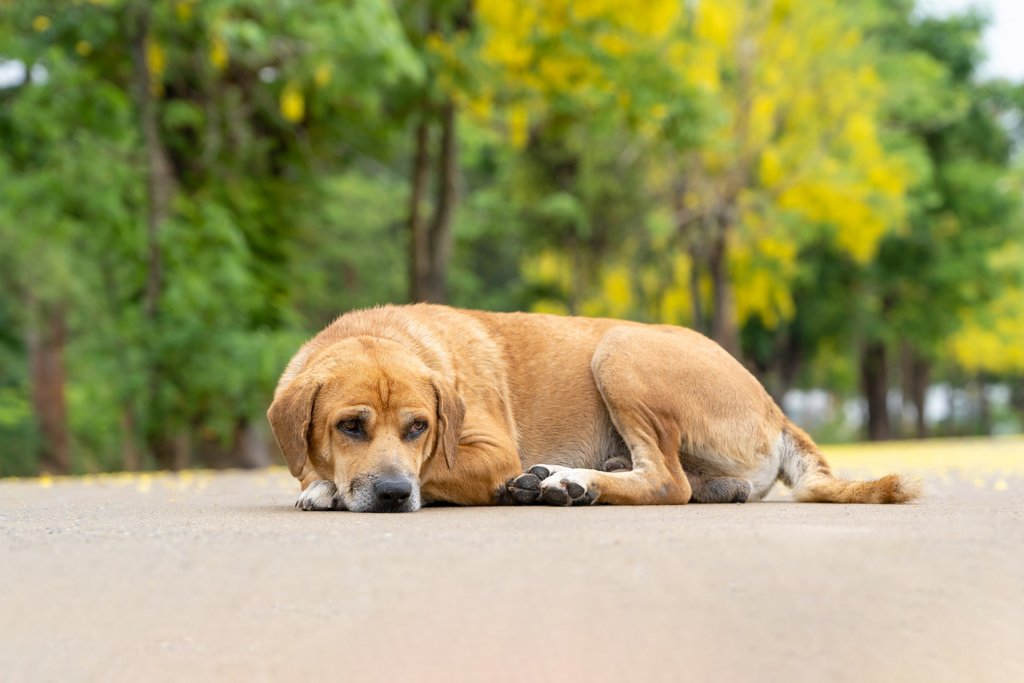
pixel 397 406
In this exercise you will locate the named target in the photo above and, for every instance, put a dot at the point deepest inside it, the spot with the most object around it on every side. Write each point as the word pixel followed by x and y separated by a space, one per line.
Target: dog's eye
pixel 350 426
pixel 417 428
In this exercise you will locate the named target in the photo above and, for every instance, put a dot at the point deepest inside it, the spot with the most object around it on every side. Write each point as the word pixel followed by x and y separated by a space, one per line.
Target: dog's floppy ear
pixel 450 413
pixel 291 417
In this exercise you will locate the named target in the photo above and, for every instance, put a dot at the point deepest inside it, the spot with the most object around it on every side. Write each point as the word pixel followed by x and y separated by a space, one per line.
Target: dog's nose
pixel 392 492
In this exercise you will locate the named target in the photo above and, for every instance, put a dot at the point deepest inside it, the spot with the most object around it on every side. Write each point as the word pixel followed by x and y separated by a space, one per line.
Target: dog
pixel 391 408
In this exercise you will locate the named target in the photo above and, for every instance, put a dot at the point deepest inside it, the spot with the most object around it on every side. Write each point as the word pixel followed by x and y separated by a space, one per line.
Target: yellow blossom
pixel 218 52
pixel 292 103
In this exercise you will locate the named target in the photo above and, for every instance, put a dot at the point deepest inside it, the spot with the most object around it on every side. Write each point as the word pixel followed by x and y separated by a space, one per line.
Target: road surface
pixel 201 576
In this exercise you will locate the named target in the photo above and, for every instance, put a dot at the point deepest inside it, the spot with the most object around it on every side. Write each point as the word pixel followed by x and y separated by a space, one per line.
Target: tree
pixel 797 154
pixel 232 116
pixel 434 28
pixel 560 76
pixel 893 313
pixel 959 219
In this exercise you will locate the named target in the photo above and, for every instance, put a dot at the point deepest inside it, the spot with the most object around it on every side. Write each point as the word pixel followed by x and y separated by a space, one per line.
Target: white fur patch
pixel 561 477
pixel 791 462
pixel 554 469
pixel 318 496
pixel 767 472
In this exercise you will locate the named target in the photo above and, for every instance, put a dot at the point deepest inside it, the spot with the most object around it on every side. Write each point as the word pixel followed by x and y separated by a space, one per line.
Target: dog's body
pixel 565 399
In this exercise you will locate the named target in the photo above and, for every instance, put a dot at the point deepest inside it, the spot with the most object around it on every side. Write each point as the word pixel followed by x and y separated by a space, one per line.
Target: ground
pixel 204 576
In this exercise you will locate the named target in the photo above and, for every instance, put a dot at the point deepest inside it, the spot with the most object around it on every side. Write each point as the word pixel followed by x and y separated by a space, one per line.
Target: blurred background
pixel 188 190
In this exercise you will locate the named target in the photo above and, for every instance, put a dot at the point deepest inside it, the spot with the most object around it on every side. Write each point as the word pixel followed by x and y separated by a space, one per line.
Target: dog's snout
pixel 392 493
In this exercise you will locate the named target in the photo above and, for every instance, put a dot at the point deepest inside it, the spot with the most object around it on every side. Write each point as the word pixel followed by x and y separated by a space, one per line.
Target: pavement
pixel 214 576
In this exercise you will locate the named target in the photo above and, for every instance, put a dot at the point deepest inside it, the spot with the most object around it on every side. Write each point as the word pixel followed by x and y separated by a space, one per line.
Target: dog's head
pixel 367 414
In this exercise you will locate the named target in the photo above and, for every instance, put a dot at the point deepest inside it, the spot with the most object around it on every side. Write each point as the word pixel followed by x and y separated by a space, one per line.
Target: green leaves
pixel 842 156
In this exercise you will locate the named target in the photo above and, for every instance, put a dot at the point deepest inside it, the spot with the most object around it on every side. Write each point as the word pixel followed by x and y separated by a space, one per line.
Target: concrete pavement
pixel 204 576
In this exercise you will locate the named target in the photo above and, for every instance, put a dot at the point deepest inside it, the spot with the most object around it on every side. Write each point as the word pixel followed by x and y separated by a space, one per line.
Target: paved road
pixel 215 577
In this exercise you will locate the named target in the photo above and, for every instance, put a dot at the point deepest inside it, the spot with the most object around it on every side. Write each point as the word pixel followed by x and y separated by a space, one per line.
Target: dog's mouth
pixel 384 492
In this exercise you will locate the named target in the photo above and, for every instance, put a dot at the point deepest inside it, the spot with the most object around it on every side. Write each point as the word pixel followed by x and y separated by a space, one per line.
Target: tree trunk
pixel 160 186
pixel 419 236
pixel 174 452
pixel 723 316
pixel 984 408
pixel 159 174
pixel 182 450
pixel 431 243
pixel 441 237
pixel 250 448
pixel 47 337
pixel 1017 396
pixel 781 373
pixel 920 371
pixel 696 304
pixel 875 385
pixel 131 459
pixel 951 428
pixel 689 233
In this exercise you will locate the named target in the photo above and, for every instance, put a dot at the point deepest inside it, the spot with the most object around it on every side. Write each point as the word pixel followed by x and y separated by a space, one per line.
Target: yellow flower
pixel 218 52
pixel 292 103
pixel 156 59
pixel 183 8
pixel 83 47
pixel 41 23
pixel 518 125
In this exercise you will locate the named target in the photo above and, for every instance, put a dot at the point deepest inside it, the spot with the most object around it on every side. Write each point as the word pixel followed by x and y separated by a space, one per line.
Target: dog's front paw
pixel 525 488
pixel 521 490
pixel 565 485
pixel 320 495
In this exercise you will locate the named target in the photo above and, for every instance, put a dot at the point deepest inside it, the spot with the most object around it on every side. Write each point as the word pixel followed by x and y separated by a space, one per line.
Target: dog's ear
pixel 450 413
pixel 291 418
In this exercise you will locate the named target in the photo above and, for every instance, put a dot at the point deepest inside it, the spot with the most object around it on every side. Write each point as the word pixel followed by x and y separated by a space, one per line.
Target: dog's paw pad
pixel 528 482
pixel 542 472
pixel 587 498
pixel 523 490
pixel 555 495
pixel 566 486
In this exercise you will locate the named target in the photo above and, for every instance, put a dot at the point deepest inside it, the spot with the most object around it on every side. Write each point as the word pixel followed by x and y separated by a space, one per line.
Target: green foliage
pixel 861 166
pixel 261 128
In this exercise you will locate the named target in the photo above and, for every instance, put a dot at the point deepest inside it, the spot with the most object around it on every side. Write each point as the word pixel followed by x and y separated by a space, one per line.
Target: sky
pixel 1004 38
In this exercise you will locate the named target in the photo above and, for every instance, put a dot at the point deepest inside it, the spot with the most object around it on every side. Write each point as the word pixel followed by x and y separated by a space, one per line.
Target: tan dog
pixel 397 406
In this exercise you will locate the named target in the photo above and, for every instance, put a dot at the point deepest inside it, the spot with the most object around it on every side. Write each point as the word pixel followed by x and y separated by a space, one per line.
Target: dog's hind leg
pixel 718 489
pixel 630 372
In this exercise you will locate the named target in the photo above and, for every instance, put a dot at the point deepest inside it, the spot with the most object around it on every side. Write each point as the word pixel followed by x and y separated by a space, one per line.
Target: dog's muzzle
pixel 383 492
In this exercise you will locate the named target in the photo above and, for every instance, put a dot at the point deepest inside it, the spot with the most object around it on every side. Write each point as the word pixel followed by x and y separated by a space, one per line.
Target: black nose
pixel 392 492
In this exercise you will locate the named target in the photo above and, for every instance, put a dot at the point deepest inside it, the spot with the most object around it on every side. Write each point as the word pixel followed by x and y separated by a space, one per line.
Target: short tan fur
pixel 501 393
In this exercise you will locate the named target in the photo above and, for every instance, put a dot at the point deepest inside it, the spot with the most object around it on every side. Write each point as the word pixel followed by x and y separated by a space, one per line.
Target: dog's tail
pixel 803 469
